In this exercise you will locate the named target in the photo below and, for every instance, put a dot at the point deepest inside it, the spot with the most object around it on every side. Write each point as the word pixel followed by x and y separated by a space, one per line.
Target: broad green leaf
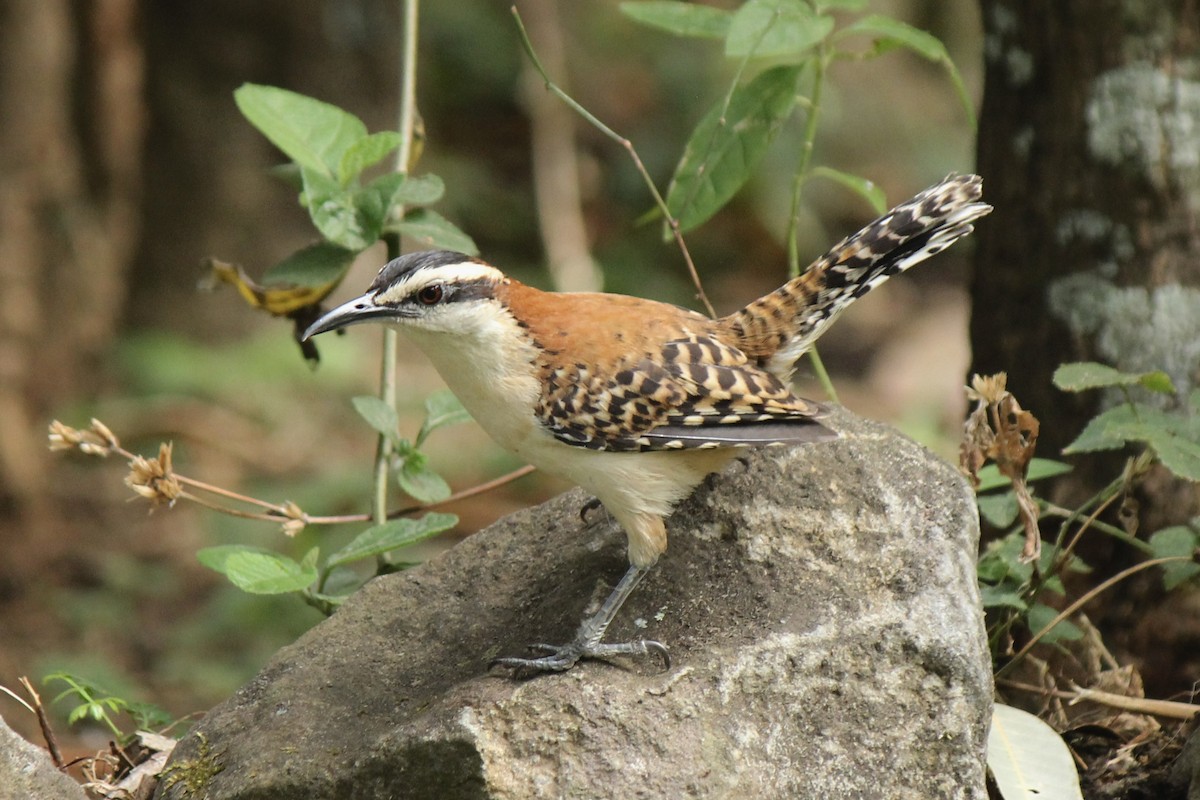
pixel 1001 597
pixel 1174 436
pixel 311 558
pixel 864 188
pixel 378 414
pixel 1098 435
pixel 397 189
pixel 1039 468
pixel 257 570
pixel 844 5
pixel 775 28
pixel 442 408
pixel 313 134
pixel 1028 759
pixel 379 539
pixel 215 557
pixel 1001 561
pixel 267 573
pixel 365 153
pixel 1083 375
pixel 681 19
pixel 420 482
pixel 1040 615
pixel 889 33
pixel 728 143
pixel 1180 455
pixel 1177 541
pixel 431 229
pixel 1000 510
pixel 420 190
pixel 335 211
pixel 320 265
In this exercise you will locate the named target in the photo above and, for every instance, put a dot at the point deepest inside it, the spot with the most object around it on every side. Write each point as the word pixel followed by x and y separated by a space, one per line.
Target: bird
pixel 636 400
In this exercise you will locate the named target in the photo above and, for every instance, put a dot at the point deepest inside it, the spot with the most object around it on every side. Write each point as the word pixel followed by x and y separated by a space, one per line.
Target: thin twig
pixel 1079 603
pixel 44 722
pixel 672 223
pixel 1172 709
pixel 465 493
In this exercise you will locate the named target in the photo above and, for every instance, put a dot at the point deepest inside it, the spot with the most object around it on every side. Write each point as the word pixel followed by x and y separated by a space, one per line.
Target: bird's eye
pixel 430 295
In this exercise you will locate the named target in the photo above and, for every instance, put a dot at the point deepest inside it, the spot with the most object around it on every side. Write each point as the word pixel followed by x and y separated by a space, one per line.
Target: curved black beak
pixel 360 309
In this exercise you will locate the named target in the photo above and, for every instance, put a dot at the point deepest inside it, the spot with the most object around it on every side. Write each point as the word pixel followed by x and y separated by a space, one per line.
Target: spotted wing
pixel 694 393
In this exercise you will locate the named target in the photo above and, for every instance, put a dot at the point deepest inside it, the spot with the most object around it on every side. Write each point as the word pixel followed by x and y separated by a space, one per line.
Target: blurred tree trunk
pixel 70 148
pixel 1089 144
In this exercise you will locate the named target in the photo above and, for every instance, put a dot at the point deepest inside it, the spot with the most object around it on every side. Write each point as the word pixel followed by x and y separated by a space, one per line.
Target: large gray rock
pixel 821 608
pixel 27 773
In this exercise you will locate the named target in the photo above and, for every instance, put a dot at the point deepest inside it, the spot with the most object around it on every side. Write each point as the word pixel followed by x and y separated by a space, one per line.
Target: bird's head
pixel 437 290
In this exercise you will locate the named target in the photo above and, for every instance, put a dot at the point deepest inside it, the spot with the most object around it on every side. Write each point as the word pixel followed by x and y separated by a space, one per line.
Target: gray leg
pixel 586 643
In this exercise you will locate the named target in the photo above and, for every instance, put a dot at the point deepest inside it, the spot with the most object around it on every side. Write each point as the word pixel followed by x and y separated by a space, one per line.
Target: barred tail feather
pixel 778 328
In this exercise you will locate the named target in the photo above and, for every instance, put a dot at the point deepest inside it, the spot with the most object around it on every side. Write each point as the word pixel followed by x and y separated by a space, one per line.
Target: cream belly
pixel 639 489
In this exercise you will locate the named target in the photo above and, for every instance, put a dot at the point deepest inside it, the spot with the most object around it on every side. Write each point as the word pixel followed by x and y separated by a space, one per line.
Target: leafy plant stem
pixel 1080 602
pixel 629 148
pixel 387 393
pixel 387 369
pixel 807 144
pixel 820 63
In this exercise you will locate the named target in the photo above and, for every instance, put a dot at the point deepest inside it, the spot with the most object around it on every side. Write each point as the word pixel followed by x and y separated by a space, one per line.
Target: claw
pixel 586 643
pixel 563 657
pixel 590 505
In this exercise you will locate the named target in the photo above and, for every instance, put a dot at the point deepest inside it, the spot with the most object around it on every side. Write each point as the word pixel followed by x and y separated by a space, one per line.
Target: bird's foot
pixel 560 658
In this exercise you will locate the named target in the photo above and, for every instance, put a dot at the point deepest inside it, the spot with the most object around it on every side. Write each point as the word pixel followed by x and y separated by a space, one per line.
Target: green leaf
pixel 1083 375
pixel 1001 561
pixel 845 5
pixel 431 229
pixel 1039 468
pixel 442 409
pixel 215 557
pixel 319 264
pixel 1176 541
pixel 1040 615
pixel 728 144
pixel 335 211
pixel 864 188
pixel 378 414
pixel 1098 434
pixel 379 539
pixel 365 153
pixel 1028 759
pixel 313 134
pixel 1000 510
pixel 1174 436
pixel 420 482
pixel 681 19
pixel 891 33
pixel 397 189
pixel 1001 597
pixel 419 190
pixel 267 573
pixel 774 28
pixel 256 570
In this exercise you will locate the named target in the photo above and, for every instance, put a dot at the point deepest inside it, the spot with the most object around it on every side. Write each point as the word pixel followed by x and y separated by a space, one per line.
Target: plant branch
pixel 1083 600
pixel 387 366
pixel 672 223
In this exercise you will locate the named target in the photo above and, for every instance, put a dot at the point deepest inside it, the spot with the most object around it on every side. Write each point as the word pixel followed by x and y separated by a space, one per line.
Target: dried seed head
pixel 63 437
pixel 297 519
pixel 988 389
pixel 153 478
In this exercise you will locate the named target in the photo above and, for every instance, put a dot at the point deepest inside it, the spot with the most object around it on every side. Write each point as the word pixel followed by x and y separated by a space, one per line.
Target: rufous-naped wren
pixel 635 400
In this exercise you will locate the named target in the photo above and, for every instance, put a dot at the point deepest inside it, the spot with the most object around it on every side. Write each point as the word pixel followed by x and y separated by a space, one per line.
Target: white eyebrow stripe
pixel 463 272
